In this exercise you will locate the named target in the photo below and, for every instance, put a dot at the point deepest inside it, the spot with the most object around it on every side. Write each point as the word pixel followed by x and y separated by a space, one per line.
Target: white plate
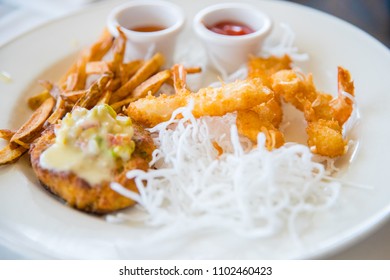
pixel 37 225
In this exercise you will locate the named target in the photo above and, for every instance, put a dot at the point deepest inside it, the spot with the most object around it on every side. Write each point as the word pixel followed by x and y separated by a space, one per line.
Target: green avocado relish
pixel 90 143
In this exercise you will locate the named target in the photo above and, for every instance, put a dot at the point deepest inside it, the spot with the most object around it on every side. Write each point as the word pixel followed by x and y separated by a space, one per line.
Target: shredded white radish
pixel 284 44
pixel 248 191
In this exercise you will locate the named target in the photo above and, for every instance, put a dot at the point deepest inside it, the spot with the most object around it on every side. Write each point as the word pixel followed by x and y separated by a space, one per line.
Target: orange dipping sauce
pixel 148 28
pixel 230 28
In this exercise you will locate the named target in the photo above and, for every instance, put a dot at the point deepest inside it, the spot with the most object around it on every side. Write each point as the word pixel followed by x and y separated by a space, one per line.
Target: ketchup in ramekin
pixel 230 33
pixel 230 28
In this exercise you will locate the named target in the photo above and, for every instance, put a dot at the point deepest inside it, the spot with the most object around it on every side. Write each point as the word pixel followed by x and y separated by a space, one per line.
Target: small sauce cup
pixel 227 53
pixel 150 26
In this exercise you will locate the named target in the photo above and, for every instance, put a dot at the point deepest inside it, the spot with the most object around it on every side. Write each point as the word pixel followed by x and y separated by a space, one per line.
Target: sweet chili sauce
pixel 230 28
pixel 148 28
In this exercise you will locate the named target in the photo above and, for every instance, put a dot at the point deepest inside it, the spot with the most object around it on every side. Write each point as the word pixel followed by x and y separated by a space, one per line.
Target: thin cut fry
pixel 101 47
pixel 114 85
pixel 35 101
pixel 119 48
pixel 105 98
pixel 193 70
pixel 149 68
pixel 93 94
pixel 96 52
pixel 150 86
pixel 11 153
pixel 98 67
pixel 127 70
pixel 72 96
pixel 78 79
pixel 32 128
pixel 6 134
pixel 58 113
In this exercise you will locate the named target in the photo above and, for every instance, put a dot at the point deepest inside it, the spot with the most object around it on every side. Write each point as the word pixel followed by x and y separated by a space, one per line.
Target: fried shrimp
pixel 239 95
pixel 265 117
pixel 249 124
pixel 264 68
pixel 325 115
pixel 329 108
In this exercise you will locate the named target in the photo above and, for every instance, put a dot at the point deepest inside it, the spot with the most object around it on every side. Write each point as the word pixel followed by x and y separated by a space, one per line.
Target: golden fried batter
pixel 231 97
pixel 265 117
pixel 325 115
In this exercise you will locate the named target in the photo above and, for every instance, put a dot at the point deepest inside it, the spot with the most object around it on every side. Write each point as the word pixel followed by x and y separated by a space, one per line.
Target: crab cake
pixel 79 158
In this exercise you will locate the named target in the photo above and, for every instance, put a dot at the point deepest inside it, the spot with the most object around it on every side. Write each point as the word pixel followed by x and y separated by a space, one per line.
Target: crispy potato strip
pixel 34 125
pixel 58 113
pixel 147 69
pixel 35 101
pixel 150 86
pixel 93 95
pixel 11 153
pixel 98 67
pixel 6 134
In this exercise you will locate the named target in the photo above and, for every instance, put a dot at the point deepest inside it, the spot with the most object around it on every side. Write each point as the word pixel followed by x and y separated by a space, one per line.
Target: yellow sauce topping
pixel 90 143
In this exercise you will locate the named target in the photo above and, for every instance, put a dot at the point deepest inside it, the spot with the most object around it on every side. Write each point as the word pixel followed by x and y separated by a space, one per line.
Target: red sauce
pixel 230 28
pixel 148 28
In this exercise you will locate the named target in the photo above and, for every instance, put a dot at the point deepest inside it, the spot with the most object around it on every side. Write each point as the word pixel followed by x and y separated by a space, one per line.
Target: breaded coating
pixel 239 95
pixel 324 114
pixel 249 124
pixel 265 117
pixel 325 138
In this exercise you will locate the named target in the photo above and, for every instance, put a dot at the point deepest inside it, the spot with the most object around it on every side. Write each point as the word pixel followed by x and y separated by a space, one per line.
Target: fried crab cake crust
pixel 98 198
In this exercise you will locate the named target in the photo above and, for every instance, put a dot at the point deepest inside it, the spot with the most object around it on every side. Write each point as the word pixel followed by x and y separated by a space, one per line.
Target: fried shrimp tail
pixel 324 114
pixel 343 105
pixel 240 95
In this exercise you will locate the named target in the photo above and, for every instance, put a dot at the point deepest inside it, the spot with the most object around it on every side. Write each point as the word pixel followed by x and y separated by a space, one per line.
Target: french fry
pixel 179 76
pixel 81 75
pixel 93 94
pixel 11 153
pixel 119 49
pixel 114 84
pixel 150 86
pixel 147 69
pixel 101 47
pixel 127 70
pixel 6 134
pixel 34 125
pixel 98 67
pixel 58 112
pixel 35 101
pixel 96 52
pixel 53 89
pixel 105 98
pixel 72 96
pixel 194 70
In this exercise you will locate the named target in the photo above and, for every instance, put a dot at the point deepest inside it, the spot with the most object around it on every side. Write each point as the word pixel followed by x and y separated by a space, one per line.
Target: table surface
pixel 371 16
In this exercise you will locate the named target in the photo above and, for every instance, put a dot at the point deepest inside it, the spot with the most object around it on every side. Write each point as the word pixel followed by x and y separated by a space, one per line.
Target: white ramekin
pixel 150 12
pixel 227 53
